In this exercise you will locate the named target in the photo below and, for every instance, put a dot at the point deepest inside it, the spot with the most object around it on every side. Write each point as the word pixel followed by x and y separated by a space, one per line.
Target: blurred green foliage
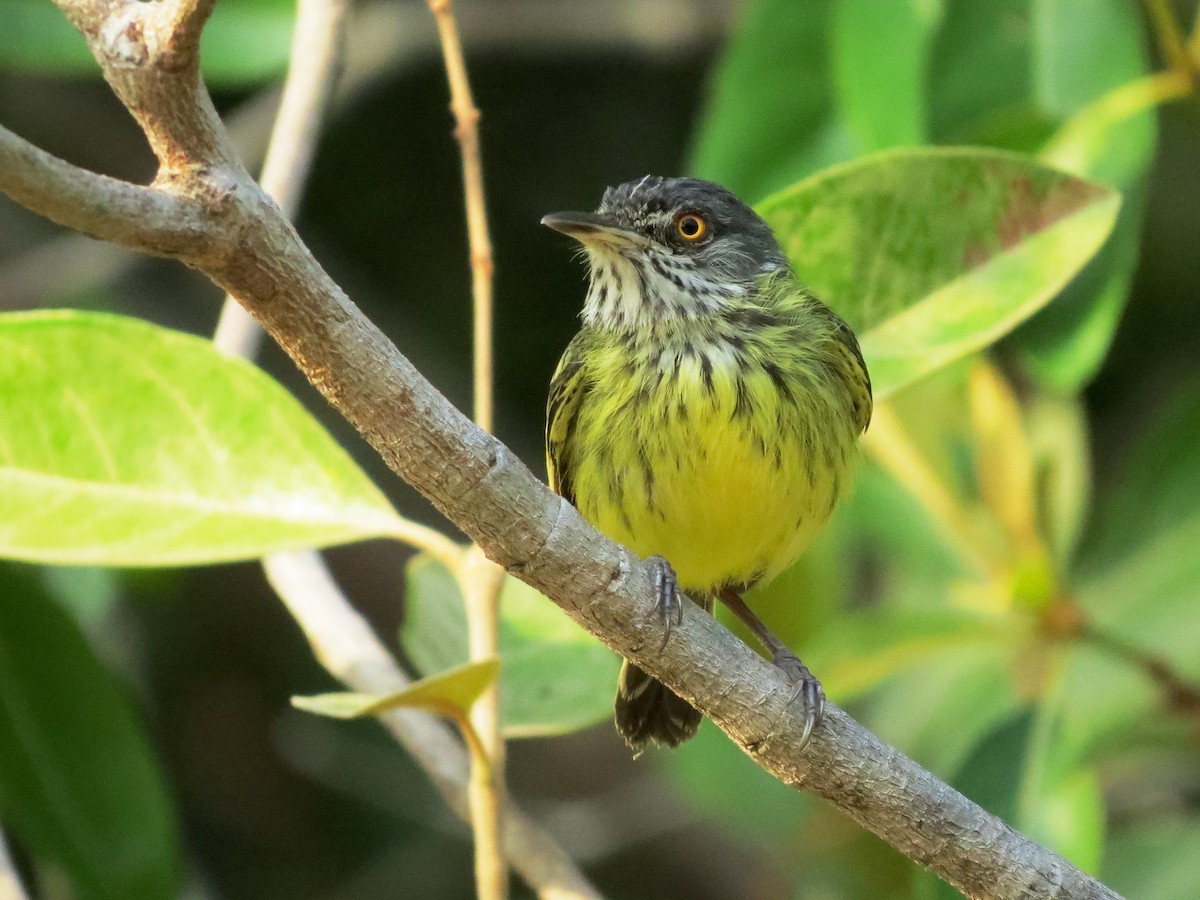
pixel 987 599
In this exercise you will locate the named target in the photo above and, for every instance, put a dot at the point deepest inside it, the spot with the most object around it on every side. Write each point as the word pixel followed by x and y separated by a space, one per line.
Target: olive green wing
pixel 854 367
pixel 794 302
pixel 567 389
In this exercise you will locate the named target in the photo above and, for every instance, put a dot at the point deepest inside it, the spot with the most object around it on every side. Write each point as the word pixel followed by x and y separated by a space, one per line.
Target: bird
pixel 706 415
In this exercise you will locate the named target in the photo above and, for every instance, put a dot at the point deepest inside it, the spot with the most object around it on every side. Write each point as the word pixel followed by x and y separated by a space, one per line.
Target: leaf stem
pixel 1171 40
pixel 1065 148
pixel 480 581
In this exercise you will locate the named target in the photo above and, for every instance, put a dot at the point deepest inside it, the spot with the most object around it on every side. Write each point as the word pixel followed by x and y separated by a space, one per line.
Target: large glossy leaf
pixel 245 41
pixel 769 119
pixel 805 85
pixel 79 784
pixel 122 443
pixel 880 59
pixel 555 677
pixel 933 254
pixel 1082 50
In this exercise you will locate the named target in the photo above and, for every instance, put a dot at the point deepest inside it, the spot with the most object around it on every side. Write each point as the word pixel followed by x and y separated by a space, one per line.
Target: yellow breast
pixel 711 466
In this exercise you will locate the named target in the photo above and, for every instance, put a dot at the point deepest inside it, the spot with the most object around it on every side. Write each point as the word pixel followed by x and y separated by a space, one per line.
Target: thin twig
pixel 480 579
pixel 10 883
pixel 466 115
pixel 348 648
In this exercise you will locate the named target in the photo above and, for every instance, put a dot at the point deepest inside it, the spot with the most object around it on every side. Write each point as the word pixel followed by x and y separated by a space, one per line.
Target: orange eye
pixel 691 227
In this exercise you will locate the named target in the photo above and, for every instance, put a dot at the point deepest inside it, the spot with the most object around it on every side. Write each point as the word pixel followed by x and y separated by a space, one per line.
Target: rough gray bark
pixel 207 212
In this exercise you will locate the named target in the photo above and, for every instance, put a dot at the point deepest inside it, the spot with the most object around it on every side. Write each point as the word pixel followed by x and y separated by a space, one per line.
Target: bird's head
pixel 669 247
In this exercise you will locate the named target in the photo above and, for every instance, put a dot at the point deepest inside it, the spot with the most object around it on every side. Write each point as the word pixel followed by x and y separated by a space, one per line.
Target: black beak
pixel 584 226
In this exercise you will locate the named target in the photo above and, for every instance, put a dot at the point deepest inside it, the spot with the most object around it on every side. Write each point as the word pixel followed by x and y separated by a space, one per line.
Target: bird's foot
pixel 668 604
pixel 806 690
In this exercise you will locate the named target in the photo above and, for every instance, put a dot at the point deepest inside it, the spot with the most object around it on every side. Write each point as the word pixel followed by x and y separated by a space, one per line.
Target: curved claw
pixel 667 602
pixel 807 689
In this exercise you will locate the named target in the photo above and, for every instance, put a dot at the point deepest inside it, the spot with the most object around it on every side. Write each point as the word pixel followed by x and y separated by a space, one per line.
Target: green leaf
pixel 1059 800
pixel 79 783
pixel 880 58
pixel 555 677
pixel 980 85
pixel 1139 575
pixel 934 254
pixel 1153 490
pixel 449 693
pixel 1081 51
pixel 937 712
pixel 1151 599
pixel 1065 344
pixel 1016 772
pixel 768 119
pixel 245 41
pixel 1155 861
pixel 122 443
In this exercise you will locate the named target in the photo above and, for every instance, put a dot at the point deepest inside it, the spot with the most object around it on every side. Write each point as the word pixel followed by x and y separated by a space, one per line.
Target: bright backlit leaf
pixel 451 693
pixel 122 443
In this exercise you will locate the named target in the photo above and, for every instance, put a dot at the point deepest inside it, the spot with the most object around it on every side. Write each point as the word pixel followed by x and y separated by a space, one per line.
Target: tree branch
pixel 150 220
pixel 478 484
pixel 317 39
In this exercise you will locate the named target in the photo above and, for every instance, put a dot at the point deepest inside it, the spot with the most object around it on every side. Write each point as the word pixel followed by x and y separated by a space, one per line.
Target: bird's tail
pixel 647 710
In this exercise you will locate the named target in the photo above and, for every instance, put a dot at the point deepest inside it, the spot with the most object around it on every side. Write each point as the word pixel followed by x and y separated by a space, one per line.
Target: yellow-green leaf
pixel 450 692
pixel 126 444
pixel 932 254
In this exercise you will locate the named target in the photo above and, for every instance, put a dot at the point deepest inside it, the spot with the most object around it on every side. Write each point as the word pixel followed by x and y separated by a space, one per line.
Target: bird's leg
pixel 806 687
pixel 668 604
